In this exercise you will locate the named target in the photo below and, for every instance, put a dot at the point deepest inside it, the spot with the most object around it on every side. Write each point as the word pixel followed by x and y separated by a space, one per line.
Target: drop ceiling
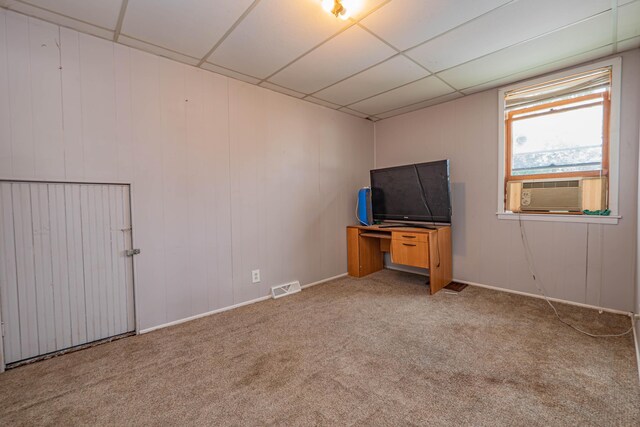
pixel 389 58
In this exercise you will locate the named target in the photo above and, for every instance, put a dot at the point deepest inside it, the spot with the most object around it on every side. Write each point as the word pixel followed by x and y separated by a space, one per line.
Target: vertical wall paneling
pixel 24 251
pixel 42 264
pixel 218 222
pixel 20 99
pixel 273 192
pixel 175 194
pixel 75 266
pixel 88 252
pixel 107 288
pixel 298 180
pixel 5 112
pixel 8 274
pixel 125 236
pixel 46 102
pixel 64 277
pixel 72 105
pixel 59 266
pixel 247 118
pixel 148 179
pixel 221 172
pixel 99 108
pixel 117 269
pixel 198 191
pixel 124 124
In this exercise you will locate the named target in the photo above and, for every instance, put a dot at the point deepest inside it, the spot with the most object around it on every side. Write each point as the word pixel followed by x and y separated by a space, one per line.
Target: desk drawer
pixel 409 237
pixel 410 252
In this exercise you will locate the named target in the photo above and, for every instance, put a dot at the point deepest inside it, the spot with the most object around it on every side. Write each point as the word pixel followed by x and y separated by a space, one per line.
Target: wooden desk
pixel 417 247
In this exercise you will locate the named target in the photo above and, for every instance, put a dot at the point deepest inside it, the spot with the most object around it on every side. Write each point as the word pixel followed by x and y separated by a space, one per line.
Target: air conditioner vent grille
pixel 552 184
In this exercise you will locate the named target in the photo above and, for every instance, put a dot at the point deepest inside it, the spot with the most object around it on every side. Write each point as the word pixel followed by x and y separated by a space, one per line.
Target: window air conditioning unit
pixel 563 195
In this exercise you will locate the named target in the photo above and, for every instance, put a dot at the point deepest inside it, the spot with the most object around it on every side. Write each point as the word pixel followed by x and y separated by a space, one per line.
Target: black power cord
pixel 423 196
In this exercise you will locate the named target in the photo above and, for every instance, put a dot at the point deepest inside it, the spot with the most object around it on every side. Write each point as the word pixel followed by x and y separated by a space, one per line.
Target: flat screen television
pixel 417 193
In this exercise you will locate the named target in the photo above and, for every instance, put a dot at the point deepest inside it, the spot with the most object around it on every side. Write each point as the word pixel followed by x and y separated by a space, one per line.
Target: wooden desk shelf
pixel 376 235
pixel 417 247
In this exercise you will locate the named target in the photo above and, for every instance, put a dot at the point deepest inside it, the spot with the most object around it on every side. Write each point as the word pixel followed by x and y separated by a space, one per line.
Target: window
pixel 558 129
pixel 557 152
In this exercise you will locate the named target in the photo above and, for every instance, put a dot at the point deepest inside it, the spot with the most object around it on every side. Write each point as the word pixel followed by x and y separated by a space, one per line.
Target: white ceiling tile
pixel 138 44
pixel 344 55
pixel 502 28
pixel 472 44
pixel 581 37
pixel 420 105
pixel 391 73
pixel 629 21
pixel 275 33
pixel 281 89
pixel 422 90
pixel 103 13
pixel 406 23
pixel 354 112
pixel 191 27
pixel 61 20
pixel 539 71
pixel 230 73
pixel 321 102
pixel 628 44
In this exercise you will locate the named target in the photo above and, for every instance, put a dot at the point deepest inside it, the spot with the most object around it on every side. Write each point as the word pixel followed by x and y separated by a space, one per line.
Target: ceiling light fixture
pixel 336 8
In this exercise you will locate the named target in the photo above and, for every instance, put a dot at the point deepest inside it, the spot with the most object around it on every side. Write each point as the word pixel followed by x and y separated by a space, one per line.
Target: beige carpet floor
pixel 373 351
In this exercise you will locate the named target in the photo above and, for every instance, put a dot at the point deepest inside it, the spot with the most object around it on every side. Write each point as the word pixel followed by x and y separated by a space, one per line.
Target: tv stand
pixel 412 246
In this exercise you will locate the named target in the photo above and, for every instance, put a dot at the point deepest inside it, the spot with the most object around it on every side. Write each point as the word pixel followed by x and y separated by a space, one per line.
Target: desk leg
pixel 353 252
pixel 371 257
pixel 363 254
pixel 440 271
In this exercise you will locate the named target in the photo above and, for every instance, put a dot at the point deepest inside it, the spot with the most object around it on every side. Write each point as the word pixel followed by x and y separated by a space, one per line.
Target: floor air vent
pixel 286 289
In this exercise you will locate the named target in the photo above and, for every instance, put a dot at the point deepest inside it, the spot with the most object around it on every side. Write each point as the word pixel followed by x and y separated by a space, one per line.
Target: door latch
pixel 132 252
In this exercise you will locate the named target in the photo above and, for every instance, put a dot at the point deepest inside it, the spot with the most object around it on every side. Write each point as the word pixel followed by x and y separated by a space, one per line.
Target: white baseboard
pixel 527 294
pixel 231 307
pixel 319 282
pixel 198 316
pixel 511 291
pixel 636 341
pixel 634 323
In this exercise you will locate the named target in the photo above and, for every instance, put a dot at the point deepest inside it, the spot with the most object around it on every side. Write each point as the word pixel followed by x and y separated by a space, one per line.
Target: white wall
pixel 489 251
pixel 637 270
pixel 226 177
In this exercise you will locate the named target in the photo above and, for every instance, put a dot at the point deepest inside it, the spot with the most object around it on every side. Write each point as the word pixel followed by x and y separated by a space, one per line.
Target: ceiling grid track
pixel 355 74
pixel 229 31
pixel 8 7
pixel 457 81
pixel 614 24
pixel 353 23
pixel 523 42
pixel 123 10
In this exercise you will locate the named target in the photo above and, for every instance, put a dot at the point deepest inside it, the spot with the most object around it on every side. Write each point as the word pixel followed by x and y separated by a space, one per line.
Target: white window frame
pixel 614 146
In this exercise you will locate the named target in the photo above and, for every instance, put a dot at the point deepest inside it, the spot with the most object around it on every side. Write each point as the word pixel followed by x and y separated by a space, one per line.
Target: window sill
pixel 585 219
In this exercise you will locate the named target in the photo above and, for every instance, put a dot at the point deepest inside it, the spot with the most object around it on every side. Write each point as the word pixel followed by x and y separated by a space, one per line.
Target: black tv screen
pixel 419 193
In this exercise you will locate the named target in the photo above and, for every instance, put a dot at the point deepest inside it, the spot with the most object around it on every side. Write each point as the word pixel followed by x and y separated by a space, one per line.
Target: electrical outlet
pixel 255 276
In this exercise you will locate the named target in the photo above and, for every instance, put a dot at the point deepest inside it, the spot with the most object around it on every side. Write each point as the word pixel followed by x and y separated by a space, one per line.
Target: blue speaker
pixel 363 206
